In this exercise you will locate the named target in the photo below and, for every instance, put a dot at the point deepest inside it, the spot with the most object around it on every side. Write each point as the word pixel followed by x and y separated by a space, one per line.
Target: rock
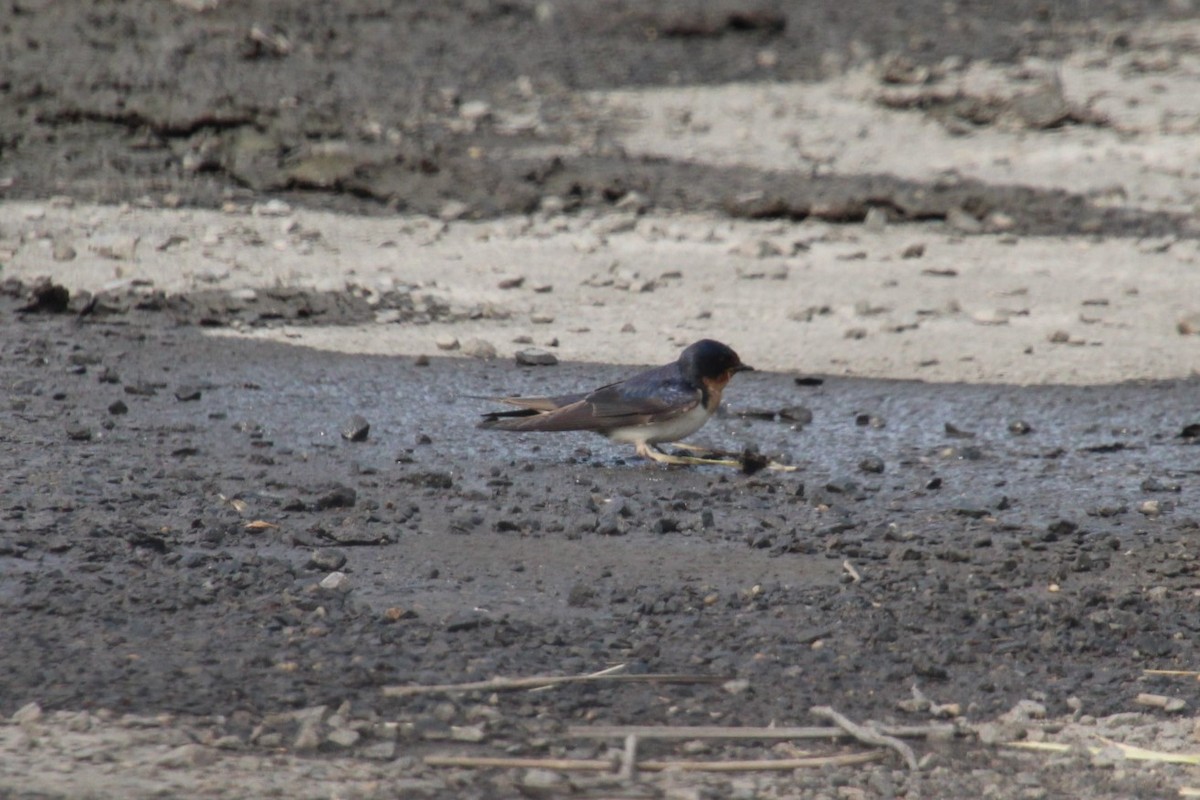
pixel 343 737
pixel 1019 427
pixel 962 221
pixel 118 247
pixel 380 751
pixel 338 497
pixel 30 712
pixel 475 111
pixel 336 582
pixel 187 394
pixel 455 209
pixel 479 348
pixel 79 433
pixel 118 407
pixel 541 318
pixel 188 756
pixel 913 251
pixel 514 282
pixel 467 733
pixel 1150 508
pixel 1189 325
pixel 446 341
pixel 872 464
pixel 62 252
pixel 536 357
pixel 326 558
pixel 543 784
pixel 271 208
pixel 356 429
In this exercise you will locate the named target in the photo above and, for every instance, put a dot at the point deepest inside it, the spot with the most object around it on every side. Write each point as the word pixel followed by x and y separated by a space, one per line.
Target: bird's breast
pixel 667 430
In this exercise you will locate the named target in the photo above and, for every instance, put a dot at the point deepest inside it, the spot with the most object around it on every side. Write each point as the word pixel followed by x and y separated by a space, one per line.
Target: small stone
pixel 1019 427
pixel 336 582
pixel 380 751
pixel 536 357
pixel 188 756
pixel 467 733
pixel 479 348
pixel 913 251
pixel 187 394
pixel 343 737
pixel 962 221
pixel 338 497
pixel 118 247
pixel 475 111
pixel 541 318
pixel 871 464
pixel 356 429
pixel 511 283
pixel 455 209
pixel 118 407
pixel 62 252
pixel 271 208
pixel 855 333
pixel 79 433
pixel 30 712
pixel 108 375
pixel 1059 337
pixel 1150 508
pixel 328 559
pixel 1189 325
pixel 446 341
pixel 543 288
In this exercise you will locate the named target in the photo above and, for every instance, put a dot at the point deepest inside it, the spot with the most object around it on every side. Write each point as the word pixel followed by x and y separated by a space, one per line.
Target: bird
pixel 661 405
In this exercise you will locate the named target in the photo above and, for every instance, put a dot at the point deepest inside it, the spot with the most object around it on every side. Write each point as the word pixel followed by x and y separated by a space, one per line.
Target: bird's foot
pixel 747 462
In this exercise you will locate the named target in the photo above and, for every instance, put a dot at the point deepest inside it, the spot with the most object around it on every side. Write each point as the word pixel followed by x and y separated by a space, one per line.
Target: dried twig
pixel 613 670
pixel 516 684
pixel 601 765
pixel 938 731
pixel 867 735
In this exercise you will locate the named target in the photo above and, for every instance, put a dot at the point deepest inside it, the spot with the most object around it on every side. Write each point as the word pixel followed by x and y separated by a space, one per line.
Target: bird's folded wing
pixel 615 406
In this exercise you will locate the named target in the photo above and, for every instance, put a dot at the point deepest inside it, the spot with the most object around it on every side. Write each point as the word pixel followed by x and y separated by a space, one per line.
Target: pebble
pixel 872 464
pixel 511 283
pixel 271 208
pixel 536 357
pixel 479 348
pixel 79 433
pixel 338 497
pixel 343 737
pixel 118 247
pixel 30 712
pixel 1019 427
pixel 798 414
pixel 1189 325
pixel 455 209
pixel 326 558
pixel 1150 508
pixel 118 407
pixel 63 252
pixel 541 318
pixel 446 341
pixel 336 581
pixel 187 394
pixel 962 221
pixel 356 429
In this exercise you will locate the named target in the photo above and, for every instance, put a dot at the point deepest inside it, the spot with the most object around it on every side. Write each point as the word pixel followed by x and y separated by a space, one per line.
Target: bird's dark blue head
pixel 711 360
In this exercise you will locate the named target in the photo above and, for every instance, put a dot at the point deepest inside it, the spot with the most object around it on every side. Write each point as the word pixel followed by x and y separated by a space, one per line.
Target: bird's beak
pixel 743 368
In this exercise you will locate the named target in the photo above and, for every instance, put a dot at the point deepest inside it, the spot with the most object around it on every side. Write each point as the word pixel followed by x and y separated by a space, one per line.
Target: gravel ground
pixel 226 559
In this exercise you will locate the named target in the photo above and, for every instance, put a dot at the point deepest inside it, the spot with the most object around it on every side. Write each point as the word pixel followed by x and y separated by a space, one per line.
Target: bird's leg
pixel 654 454
pixel 771 465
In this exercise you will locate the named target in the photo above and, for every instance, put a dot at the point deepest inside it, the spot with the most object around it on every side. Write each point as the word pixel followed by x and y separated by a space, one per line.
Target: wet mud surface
pixel 172 502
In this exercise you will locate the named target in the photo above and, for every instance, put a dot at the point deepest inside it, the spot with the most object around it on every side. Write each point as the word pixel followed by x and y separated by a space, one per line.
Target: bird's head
pixel 709 360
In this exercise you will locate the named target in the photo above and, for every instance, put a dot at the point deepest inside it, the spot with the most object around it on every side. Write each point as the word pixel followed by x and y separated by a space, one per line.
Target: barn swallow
pixel 660 405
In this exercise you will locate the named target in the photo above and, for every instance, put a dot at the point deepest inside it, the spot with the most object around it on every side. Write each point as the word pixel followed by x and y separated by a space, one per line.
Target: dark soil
pixel 997 562
pixel 364 106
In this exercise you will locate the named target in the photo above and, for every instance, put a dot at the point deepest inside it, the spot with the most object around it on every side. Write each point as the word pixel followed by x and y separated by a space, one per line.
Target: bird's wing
pixel 653 396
